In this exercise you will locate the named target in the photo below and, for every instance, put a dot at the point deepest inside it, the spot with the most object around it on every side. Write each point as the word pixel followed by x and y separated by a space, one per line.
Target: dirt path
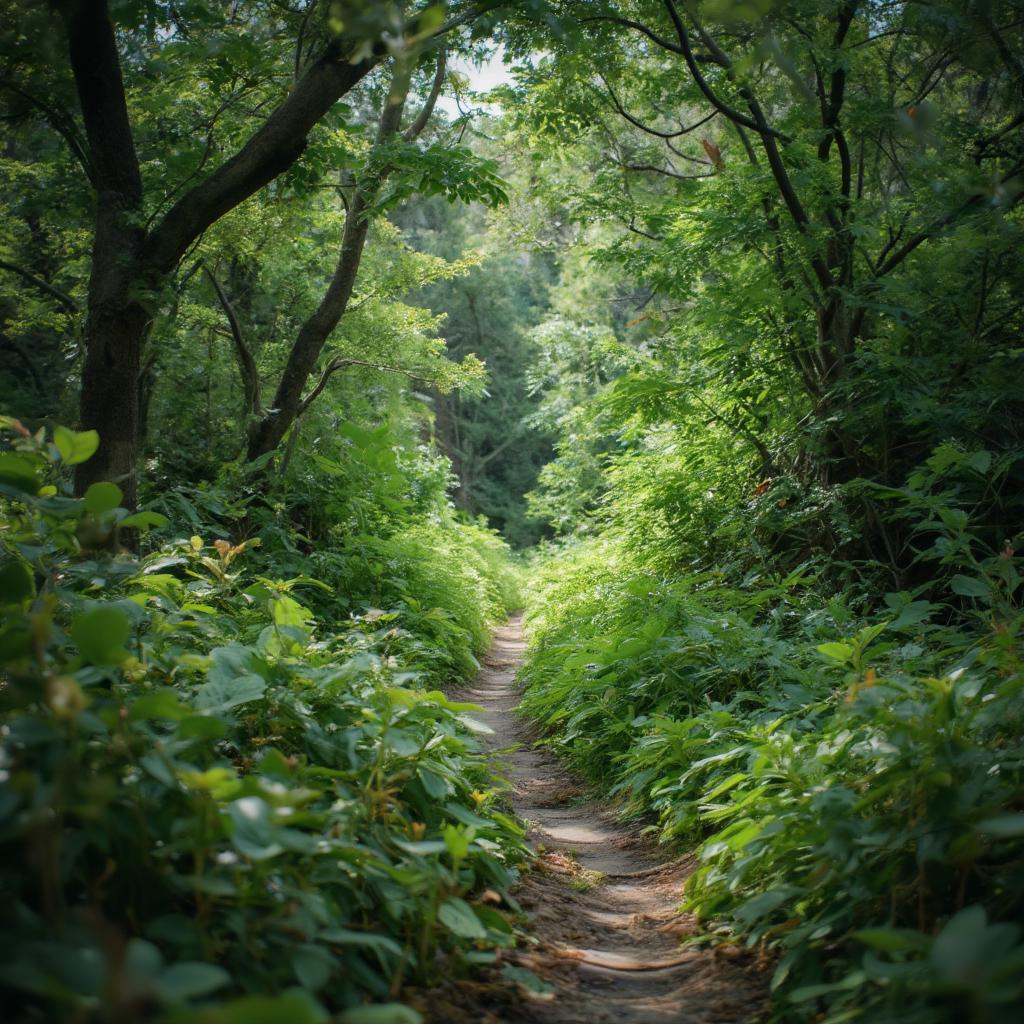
pixel 603 902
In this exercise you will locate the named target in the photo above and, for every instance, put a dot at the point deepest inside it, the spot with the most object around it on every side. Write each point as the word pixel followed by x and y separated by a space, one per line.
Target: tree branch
pixel 62 123
pixel 317 327
pixel 62 297
pixel 912 243
pixel 246 364
pixel 644 128
pixel 665 44
pixel 270 151
pixel 667 173
pixel 716 101
pixel 426 111
pixel 97 69
pixel 340 363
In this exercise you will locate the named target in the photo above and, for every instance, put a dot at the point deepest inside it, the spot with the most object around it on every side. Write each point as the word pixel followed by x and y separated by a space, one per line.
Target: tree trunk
pixel 313 335
pixel 126 262
pixel 268 432
pixel 114 335
pixel 116 322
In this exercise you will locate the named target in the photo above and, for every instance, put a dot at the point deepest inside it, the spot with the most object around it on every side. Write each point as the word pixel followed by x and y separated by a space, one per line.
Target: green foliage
pixel 197 770
pixel 495 444
pixel 857 783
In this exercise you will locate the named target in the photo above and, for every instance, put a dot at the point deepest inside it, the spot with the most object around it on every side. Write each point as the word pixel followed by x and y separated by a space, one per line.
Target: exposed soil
pixel 603 902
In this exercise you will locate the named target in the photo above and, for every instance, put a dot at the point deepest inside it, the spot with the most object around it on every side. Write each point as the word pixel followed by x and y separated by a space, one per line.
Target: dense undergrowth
pixel 228 784
pixel 850 766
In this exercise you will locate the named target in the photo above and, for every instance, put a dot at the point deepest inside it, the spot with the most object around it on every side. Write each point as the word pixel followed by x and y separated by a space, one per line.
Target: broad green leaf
pixel 254 832
pixel 526 979
pixel 141 520
pixel 222 694
pixel 458 917
pixel 101 634
pixel 184 981
pixel 384 1013
pixel 294 1007
pixel 969 586
pixel 164 704
pixel 893 940
pixel 102 497
pixel 836 651
pixel 75 446
pixel 1003 825
pixel 367 940
pixel 312 965
pixel 18 472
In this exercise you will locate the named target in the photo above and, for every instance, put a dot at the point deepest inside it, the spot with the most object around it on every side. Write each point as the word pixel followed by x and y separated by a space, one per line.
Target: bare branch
pixel 341 363
pixel 912 243
pixel 62 123
pixel 653 169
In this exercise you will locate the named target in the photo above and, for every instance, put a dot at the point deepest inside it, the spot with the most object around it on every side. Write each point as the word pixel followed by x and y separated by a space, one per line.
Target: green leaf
pixel 183 981
pixel 231 679
pixel 979 461
pixel 764 903
pixel 1002 826
pixel 852 981
pixel 312 965
pixel 294 1007
pixel 893 940
pixel 18 472
pixel 526 979
pixel 102 497
pixel 101 634
pixel 16 582
pixel 254 831
pixel 75 446
pixel 968 586
pixel 141 520
pixel 164 704
pixel 957 945
pixel 368 940
pixel 458 917
pixel 837 651
pixel 457 841
pixel 912 614
pixel 385 1013
pixel 225 694
pixel 436 787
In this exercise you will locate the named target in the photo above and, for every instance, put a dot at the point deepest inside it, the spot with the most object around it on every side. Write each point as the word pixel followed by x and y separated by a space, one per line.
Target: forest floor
pixel 603 901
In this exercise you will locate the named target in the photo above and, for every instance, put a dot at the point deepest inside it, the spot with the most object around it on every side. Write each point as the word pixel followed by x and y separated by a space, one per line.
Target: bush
pixel 196 772
pixel 854 782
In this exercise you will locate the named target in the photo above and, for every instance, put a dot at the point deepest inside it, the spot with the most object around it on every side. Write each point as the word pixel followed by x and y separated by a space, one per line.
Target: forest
pixel 511 511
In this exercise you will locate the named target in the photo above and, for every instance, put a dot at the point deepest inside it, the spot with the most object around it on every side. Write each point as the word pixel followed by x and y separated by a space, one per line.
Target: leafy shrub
pixel 854 782
pixel 375 527
pixel 206 792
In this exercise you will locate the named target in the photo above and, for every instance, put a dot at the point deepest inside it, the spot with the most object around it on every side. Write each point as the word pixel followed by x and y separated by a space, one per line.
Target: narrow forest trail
pixel 603 902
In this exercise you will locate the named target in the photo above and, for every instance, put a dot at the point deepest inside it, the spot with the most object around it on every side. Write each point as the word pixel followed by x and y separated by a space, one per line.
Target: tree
pixel 782 175
pixel 495 448
pixel 132 255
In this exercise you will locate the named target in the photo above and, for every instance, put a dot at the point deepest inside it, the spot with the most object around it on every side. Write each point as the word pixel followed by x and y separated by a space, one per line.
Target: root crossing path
pixel 603 902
